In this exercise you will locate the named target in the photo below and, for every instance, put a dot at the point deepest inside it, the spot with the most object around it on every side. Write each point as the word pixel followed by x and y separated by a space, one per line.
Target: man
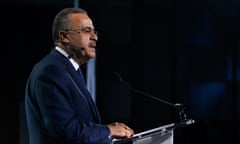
pixel 59 108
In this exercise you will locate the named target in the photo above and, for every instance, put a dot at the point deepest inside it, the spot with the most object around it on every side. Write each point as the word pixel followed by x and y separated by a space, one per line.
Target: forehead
pixel 80 20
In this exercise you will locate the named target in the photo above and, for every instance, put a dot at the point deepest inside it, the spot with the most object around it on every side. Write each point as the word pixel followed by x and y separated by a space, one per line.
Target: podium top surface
pixel 150 132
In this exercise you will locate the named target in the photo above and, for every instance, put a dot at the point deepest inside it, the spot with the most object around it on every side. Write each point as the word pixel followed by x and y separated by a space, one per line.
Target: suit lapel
pixel 79 80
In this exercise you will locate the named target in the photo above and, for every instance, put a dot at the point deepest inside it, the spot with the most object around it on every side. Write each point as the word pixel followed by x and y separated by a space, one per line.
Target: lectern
pixel 160 135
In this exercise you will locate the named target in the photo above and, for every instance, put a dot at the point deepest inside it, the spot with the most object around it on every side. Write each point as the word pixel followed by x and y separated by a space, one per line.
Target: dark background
pixel 179 51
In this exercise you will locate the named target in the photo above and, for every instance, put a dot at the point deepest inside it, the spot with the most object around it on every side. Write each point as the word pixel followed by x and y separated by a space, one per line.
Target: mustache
pixel 92 43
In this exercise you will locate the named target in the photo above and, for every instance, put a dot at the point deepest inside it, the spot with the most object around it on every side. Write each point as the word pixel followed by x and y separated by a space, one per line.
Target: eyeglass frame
pixel 86 30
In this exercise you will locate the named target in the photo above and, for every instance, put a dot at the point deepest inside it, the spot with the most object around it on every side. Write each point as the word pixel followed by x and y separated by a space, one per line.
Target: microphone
pixel 177 106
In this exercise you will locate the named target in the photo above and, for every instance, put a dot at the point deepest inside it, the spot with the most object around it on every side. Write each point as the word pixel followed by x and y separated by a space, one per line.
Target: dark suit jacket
pixel 59 109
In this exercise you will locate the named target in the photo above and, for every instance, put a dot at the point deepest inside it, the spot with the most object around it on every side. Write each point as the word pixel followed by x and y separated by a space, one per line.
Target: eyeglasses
pixel 86 30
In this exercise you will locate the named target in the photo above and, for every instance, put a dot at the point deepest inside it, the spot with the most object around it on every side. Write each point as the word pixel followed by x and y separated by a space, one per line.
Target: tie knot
pixel 78 70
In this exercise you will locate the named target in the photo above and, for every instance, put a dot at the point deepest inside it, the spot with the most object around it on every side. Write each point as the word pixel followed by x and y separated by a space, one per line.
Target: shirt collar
pixel 73 62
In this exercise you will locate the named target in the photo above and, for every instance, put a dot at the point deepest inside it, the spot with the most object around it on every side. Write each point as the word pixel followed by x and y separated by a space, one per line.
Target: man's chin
pixel 92 55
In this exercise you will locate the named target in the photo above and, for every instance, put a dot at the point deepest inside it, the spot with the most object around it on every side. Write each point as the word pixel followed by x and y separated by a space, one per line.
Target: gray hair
pixel 62 22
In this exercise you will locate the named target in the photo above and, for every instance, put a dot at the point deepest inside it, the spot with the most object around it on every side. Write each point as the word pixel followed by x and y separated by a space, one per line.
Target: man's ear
pixel 63 36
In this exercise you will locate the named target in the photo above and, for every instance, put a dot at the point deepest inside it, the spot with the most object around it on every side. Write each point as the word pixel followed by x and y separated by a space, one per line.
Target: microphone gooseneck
pixel 177 106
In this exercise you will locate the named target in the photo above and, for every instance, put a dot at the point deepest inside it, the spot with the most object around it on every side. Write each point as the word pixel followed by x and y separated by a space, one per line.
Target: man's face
pixel 82 37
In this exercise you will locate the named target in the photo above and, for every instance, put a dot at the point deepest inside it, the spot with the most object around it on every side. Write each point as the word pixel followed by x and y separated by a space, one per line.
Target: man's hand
pixel 120 130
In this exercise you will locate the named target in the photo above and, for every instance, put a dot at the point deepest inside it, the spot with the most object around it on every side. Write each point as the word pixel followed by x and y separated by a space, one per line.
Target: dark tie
pixel 89 97
pixel 79 71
